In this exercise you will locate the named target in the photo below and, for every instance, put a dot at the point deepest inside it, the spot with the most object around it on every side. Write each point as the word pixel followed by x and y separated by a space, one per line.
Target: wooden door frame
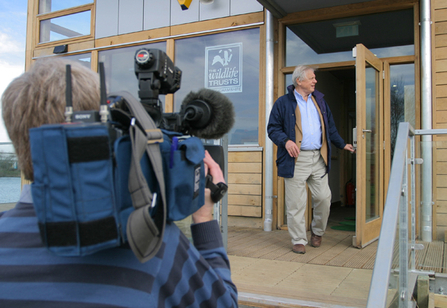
pixel 363 238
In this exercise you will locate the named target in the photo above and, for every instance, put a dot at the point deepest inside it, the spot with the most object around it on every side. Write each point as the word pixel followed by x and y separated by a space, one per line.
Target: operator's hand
pixel 292 148
pixel 349 148
pixel 205 213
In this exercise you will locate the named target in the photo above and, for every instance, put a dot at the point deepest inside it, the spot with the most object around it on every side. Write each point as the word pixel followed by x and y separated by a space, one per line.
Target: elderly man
pixel 181 274
pixel 301 125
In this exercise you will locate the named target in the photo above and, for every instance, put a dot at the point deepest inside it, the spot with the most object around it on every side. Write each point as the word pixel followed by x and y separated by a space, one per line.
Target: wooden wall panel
pixel 441 78
pixel 442 207
pixel 244 167
pixel 441 103
pixel 441 27
pixel 245 184
pixel 442 193
pixel 439 4
pixel 440 15
pixel 440 117
pixel 441 168
pixel 441 53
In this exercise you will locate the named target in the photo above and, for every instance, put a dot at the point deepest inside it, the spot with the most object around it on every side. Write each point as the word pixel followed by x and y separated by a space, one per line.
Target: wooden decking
pixel 336 249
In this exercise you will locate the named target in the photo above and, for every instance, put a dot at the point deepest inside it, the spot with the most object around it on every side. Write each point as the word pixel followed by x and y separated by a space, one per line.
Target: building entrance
pixel 338 85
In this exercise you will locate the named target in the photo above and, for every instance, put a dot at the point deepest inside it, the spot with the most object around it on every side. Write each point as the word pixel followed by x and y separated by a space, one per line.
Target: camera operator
pixel 180 275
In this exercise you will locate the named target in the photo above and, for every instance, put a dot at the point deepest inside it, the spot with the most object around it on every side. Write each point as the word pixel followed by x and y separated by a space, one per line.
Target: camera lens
pixel 144 58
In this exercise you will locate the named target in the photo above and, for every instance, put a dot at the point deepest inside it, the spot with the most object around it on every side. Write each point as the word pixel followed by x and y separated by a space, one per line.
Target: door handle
pixel 367 130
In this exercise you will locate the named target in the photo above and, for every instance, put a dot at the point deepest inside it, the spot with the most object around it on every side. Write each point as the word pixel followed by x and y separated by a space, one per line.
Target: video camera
pixel 122 172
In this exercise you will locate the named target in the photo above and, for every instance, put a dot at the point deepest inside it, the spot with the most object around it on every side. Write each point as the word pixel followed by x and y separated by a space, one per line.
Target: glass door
pixel 369 118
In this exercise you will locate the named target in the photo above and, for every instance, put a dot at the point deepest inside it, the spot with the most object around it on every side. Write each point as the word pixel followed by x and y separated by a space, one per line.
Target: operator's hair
pixel 300 73
pixel 37 97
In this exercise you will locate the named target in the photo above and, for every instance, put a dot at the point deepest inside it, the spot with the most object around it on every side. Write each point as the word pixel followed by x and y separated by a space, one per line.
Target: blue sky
pixel 13 15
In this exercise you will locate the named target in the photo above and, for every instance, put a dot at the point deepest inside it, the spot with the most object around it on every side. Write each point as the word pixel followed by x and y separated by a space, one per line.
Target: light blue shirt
pixel 310 123
pixel 25 195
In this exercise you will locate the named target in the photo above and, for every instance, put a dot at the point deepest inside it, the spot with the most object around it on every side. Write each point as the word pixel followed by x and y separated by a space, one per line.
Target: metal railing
pixel 393 287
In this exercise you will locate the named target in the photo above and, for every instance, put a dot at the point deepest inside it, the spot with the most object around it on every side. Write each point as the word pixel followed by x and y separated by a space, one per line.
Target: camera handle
pixel 145 235
pixel 149 92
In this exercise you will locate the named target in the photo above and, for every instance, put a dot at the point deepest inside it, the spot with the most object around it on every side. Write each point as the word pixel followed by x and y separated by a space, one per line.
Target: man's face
pixel 307 85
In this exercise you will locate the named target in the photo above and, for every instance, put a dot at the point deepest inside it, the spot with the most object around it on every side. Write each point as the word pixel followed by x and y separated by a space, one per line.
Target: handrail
pixel 384 256
pixel 396 210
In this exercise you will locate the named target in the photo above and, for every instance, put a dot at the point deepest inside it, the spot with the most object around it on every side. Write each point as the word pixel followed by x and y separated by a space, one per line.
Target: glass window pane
pixel 402 98
pixel 228 63
pixel 85 59
pixel 371 134
pixel 10 180
pixel 47 6
pixel 119 67
pixel 64 27
pixel 332 40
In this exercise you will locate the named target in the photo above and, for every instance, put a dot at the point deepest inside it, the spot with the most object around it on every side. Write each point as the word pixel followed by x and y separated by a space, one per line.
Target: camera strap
pixel 144 233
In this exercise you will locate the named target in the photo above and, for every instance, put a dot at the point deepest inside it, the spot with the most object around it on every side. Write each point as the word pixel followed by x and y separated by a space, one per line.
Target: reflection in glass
pixel 119 67
pixel 402 96
pixel 224 50
pixel 64 27
pixel 371 135
pixel 85 59
pixel 47 6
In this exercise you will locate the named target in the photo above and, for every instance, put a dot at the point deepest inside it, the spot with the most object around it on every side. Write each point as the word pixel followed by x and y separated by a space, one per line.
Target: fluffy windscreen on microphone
pixel 209 114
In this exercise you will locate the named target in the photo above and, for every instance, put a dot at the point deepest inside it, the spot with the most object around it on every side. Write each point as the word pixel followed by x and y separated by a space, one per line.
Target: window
pixel 402 98
pixel 228 63
pixel 47 6
pixel 64 27
pixel 85 59
pixel 119 67
pixel 60 20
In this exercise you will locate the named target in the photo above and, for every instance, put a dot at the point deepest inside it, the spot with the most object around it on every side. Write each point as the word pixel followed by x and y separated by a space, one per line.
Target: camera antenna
pixel 68 94
pixel 103 110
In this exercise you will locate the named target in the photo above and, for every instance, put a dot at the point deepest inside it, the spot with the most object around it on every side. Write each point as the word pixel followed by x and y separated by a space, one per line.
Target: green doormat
pixel 344 228
pixel 347 225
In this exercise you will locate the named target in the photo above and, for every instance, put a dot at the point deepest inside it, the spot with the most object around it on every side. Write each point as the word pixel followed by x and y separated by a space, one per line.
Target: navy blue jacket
pixel 281 127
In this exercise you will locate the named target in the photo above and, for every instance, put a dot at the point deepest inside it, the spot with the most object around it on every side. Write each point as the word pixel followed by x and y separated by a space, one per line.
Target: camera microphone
pixel 208 114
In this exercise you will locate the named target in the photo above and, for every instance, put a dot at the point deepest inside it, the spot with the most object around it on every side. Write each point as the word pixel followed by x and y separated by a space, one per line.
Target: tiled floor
pixel 295 283
pixel 268 274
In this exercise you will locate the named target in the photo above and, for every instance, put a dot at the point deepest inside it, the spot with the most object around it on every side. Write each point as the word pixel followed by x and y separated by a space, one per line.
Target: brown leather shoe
pixel 315 240
pixel 299 248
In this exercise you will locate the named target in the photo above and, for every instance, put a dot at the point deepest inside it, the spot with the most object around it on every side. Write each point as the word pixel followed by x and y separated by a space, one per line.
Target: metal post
pixel 426 108
pixel 268 201
pixel 220 212
pixel 403 240
pixel 413 203
pixel 224 225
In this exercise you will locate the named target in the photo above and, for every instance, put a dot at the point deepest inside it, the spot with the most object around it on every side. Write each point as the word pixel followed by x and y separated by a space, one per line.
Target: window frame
pixel 61 13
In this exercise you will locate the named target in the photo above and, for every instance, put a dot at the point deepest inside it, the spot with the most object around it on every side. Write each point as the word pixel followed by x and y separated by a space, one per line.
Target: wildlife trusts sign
pixel 223 68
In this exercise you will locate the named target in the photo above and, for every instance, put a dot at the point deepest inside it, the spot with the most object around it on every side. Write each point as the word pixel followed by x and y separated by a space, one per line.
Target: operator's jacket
pixel 283 126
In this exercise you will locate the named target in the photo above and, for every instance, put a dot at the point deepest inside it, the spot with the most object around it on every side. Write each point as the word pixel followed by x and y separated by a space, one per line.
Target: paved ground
pixel 292 283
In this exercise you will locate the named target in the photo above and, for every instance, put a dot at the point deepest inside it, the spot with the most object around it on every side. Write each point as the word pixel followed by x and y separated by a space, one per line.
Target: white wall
pixel 115 17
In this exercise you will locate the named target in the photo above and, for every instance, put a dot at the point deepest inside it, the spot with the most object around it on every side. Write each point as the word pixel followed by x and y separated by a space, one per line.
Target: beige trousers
pixel 311 169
